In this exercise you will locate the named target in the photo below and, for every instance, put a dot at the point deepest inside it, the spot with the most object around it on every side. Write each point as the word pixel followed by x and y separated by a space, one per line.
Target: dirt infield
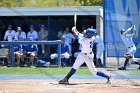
pixel 75 86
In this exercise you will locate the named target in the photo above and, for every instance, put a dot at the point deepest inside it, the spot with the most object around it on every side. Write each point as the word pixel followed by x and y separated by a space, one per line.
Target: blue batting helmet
pixel 90 32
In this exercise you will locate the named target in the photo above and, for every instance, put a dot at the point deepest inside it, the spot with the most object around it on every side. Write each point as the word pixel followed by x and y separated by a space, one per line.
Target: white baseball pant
pixel 88 59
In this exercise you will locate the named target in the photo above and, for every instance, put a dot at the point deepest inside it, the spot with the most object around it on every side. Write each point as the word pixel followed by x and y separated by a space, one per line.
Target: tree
pixel 9 3
pixel 90 2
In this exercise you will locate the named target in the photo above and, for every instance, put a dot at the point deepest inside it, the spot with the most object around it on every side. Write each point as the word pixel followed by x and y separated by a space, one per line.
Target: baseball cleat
pixel 64 81
pixel 139 67
pixel 122 68
pixel 109 80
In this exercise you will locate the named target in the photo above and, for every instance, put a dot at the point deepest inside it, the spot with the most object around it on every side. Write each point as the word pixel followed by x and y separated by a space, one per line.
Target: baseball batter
pixel 86 55
pixel 127 39
pixel 100 47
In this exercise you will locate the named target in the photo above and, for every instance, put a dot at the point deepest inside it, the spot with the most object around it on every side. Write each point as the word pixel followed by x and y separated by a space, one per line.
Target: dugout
pixel 53 18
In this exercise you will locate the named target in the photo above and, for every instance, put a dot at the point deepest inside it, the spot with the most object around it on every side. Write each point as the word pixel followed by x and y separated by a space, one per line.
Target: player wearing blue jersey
pixel 19 49
pixel 65 51
pixel 86 55
pixel 31 51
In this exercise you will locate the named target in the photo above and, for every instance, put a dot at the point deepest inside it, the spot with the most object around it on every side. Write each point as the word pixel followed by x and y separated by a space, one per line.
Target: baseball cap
pixel 10 26
pixel 42 26
pixel 31 26
pixel 18 28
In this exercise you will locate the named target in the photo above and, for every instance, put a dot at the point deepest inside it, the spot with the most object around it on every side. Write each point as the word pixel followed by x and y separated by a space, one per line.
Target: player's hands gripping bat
pixel 74 30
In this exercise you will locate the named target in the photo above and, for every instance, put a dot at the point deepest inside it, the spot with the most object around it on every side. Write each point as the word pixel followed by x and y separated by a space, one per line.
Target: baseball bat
pixel 75 19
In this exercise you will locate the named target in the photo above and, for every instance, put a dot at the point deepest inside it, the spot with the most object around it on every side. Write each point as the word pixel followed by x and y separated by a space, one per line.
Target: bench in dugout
pixel 3 55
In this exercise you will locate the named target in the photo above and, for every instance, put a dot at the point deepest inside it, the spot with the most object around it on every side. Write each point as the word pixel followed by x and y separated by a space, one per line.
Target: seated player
pixel 16 52
pixel 19 55
pixel 31 51
pixel 64 51
pixel 19 49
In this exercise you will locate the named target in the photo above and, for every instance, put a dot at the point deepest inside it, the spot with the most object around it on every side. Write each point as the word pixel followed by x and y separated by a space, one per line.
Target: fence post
pixel 13 56
pixel 104 55
pixel 59 54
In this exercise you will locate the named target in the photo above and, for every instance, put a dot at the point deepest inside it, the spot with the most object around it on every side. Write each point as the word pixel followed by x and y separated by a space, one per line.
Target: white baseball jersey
pixel 22 35
pixel 9 35
pixel 100 45
pixel 69 37
pixel 128 41
pixel 33 34
pixel 85 55
pixel 86 45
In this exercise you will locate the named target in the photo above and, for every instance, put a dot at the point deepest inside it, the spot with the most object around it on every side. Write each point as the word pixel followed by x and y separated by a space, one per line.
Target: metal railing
pixel 12 43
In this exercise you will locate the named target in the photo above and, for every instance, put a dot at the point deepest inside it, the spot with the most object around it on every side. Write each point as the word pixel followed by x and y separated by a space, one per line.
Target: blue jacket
pixel 65 48
pixel 31 48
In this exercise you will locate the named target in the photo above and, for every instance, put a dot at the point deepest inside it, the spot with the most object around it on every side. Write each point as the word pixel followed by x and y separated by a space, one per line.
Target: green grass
pixel 41 71
pixel 135 73
pixel 48 71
